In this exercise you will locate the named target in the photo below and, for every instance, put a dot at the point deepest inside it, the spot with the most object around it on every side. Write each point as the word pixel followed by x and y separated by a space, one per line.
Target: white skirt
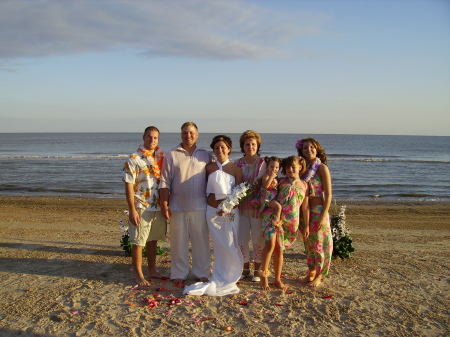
pixel 228 260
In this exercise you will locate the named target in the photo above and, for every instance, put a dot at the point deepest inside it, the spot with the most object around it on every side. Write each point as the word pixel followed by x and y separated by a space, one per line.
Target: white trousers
pixel 249 225
pixel 184 226
pixel 228 260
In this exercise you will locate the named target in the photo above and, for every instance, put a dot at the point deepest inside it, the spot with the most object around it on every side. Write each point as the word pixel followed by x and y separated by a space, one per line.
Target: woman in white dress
pixel 223 227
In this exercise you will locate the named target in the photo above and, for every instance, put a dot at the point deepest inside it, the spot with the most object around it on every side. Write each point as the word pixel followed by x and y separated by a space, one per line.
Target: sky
pixel 310 67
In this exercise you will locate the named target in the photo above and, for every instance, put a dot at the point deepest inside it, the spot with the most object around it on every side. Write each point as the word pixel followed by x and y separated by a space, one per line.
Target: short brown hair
pixel 189 124
pixel 151 128
pixel 250 134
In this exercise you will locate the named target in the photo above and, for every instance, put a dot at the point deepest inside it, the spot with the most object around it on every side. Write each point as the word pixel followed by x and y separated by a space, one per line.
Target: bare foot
pixel 264 282
pixel 280 285
pixel 154 274
pixel 140 281
pixel 178 281
pixel 309 277
pixel 316 282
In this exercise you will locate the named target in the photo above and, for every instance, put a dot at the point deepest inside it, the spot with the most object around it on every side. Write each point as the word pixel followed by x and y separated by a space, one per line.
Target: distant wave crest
pixel 397 160
pixel 67 157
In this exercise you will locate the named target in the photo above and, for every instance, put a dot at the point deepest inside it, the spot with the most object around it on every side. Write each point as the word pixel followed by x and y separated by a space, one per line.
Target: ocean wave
pixel 122 156
pixel 58 191
pixel 67 157
pixel 393 160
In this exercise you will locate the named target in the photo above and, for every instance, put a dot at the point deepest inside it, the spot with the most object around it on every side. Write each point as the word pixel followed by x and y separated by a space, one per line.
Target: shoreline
pixel 355 201
pixel 63 273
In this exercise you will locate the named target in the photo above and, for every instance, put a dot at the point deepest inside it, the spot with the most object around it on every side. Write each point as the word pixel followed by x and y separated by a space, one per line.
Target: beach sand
pixel 63 273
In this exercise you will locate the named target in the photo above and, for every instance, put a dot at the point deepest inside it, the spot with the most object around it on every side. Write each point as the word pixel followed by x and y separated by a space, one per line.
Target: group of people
pixel 289 197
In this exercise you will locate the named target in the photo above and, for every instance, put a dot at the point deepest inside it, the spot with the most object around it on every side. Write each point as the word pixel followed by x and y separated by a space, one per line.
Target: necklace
pixel 245 160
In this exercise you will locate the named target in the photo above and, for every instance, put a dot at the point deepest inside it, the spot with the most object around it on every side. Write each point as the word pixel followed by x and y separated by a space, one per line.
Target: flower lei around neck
pixel 312 170
pixel 153 157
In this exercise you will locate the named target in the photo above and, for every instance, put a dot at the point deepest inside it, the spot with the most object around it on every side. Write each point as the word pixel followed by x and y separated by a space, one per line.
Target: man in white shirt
pixel 182 191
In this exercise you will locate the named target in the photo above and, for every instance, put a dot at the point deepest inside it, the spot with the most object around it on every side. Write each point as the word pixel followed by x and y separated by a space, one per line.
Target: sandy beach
pixel 63 273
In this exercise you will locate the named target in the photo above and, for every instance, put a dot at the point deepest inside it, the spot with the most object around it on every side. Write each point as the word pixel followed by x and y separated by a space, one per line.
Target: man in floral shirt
pixel 141 174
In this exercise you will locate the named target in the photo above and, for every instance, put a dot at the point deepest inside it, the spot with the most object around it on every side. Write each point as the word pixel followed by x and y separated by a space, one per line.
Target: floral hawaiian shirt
pixel 143 170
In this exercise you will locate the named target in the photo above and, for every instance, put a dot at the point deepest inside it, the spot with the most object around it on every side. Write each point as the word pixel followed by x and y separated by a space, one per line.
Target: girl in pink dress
pixel 292 195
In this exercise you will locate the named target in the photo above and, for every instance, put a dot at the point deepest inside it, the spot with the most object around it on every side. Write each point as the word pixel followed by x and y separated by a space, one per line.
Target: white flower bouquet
pixel 239 193
pixel 342 241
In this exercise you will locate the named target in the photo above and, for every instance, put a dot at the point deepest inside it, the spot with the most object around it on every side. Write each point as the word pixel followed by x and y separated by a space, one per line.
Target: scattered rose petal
pixel 74 312
pixel 278 304
pixel 289 292
pixel 175 301
pixel 328 296
pixel 439 279
pixel 243 303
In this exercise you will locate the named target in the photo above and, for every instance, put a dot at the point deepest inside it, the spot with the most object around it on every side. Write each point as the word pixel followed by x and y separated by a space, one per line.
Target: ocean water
pixel 363 167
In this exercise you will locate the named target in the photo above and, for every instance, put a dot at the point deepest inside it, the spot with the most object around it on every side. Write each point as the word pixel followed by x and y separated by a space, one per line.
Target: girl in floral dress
pixel 292 195
pixel 269 182
pixel 319 242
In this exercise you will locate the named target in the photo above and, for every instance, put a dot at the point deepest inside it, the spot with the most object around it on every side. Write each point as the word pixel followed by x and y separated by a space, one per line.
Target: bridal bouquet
pixel 239 193
pixel 342 242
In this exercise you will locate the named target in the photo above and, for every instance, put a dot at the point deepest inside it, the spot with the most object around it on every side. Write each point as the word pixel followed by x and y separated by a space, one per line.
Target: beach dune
pixel 63 273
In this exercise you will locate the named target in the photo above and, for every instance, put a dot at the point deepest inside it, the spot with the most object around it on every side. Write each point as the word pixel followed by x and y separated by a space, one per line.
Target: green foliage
pixel 342 241
pixel 126 245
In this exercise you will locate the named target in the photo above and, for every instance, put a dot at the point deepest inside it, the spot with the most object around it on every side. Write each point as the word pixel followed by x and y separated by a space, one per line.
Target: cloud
pixel 198 29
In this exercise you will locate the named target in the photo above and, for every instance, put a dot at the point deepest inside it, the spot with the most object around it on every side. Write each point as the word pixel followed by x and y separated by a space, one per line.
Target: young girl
pixel 292 194
pixel 269 182
pixel 319 243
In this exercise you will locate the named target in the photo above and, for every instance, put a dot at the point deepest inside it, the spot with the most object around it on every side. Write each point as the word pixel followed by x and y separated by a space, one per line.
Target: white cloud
pixel 199 29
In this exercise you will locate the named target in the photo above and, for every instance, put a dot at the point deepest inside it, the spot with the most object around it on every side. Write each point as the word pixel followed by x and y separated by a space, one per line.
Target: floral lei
pixel 312 170
pixel 151 156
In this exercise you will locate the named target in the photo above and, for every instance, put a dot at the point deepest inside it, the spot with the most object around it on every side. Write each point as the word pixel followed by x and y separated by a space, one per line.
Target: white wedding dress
pixel 228 260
